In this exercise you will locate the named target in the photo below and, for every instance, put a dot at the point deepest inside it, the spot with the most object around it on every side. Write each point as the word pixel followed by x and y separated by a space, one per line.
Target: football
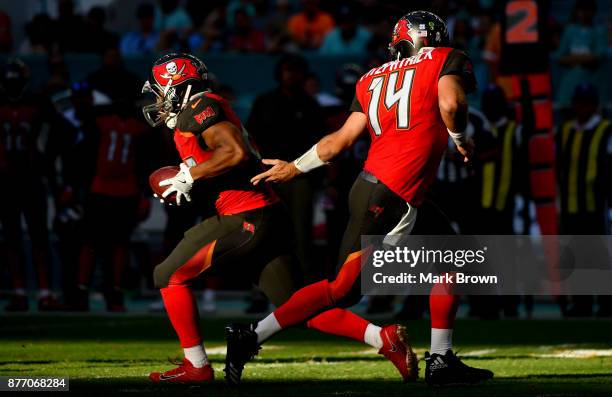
pixel 157 176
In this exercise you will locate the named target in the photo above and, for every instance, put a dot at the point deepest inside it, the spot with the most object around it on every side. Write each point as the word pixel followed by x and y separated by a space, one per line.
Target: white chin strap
pixel 171 121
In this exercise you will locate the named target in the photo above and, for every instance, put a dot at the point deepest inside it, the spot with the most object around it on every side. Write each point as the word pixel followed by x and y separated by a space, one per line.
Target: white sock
pixel 267 327
pixel 372 336
pixel 196 356
pixel 441 340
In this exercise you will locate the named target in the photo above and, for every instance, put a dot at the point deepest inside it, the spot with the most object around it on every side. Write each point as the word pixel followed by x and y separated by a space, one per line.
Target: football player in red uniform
pixel 25 168
pixel 114 166
pixel 251 229
pixel 409 106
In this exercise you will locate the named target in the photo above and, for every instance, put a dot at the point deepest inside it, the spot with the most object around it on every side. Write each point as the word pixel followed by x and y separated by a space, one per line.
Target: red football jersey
pixel 400 100
pixel 115 173
pixel 20 127
pixel 236 194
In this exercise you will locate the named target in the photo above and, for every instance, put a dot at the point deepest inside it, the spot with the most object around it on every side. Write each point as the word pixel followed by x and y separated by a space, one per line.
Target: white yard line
pixel 577 353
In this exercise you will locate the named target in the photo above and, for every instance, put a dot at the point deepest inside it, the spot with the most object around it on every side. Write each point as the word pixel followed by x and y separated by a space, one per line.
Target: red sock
pixel 340 322
pixel 443 305
pixel 183 313
pixel 120 260
pixel 86 264
pixel 40 257
pixel 17 268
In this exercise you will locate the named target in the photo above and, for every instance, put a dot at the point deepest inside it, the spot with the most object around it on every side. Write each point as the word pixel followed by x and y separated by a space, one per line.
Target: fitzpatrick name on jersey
pixel 425 54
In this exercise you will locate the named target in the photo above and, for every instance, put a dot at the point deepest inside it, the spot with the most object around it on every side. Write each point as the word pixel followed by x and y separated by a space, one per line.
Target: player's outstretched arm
pixel 326 149
pixel 453 105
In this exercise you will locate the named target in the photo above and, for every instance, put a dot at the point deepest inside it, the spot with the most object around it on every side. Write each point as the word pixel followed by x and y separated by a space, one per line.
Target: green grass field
pixel 107 355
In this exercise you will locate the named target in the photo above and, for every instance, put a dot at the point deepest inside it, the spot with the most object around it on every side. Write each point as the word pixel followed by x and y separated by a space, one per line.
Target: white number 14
pixel 399 97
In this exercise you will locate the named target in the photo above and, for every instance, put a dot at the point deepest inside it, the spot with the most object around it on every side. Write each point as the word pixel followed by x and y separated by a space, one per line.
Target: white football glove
pixel 180 184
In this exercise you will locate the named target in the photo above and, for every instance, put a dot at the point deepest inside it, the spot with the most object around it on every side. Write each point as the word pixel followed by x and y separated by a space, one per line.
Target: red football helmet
pixel 174 79
pixel 416 30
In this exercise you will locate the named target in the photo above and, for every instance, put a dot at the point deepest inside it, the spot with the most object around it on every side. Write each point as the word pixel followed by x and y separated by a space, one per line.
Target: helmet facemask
pixel 165 106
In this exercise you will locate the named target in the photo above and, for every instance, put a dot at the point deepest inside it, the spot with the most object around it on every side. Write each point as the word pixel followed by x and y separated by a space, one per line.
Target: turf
pixel 108 355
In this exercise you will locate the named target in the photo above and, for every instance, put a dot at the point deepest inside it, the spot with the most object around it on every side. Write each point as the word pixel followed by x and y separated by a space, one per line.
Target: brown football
pixel 157 176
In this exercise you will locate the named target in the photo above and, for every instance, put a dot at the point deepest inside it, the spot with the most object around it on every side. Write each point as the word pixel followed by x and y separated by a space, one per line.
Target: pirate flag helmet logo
pixel 174 79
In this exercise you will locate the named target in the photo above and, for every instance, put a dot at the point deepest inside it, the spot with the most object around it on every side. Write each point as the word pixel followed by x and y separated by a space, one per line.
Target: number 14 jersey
pixel 400 100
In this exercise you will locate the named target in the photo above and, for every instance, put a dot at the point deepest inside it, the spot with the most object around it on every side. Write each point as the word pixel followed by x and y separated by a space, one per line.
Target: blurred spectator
pixel 39 39
pixel 244 37
pixel 25 167
pixel 171 16
pixel 381 31
pixel 278 36
pixel 312 86
pixel 69 29
pixel 198 10
pixel 584 150
pixel 582 49
pixel 113 79
pixel 227 93
pixel 144 40
pixel 348 38
pixel 463 37
pixel 98 37
pixel 285 122
pixel 6 39
pixel 173 24
pixel 310 26
pixel 58 77
pixel 213 33
pixel 234 5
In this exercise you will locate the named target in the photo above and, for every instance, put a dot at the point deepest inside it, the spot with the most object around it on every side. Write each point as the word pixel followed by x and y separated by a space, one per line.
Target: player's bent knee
pixel 346 281
pixel 161 277
pixel 338 290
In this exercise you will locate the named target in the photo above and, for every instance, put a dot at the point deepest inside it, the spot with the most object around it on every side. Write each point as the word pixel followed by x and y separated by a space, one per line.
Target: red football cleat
pixel 184 373
pixel 397 350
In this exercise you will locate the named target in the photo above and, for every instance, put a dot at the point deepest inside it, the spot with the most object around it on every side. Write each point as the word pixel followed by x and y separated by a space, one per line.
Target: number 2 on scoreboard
pixel 393 96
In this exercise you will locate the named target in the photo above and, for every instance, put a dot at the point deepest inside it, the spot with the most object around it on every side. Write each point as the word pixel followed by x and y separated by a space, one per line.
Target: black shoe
pixel 114 301
pixel 577 311
pixel 18 303
pixel 49 303
pixel 242 346
pixel 448 369
pixel 77 300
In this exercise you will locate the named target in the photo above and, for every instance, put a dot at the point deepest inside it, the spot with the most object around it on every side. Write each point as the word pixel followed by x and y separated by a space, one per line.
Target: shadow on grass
pixel 157 329
pixel 526 386
pixel 219 359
